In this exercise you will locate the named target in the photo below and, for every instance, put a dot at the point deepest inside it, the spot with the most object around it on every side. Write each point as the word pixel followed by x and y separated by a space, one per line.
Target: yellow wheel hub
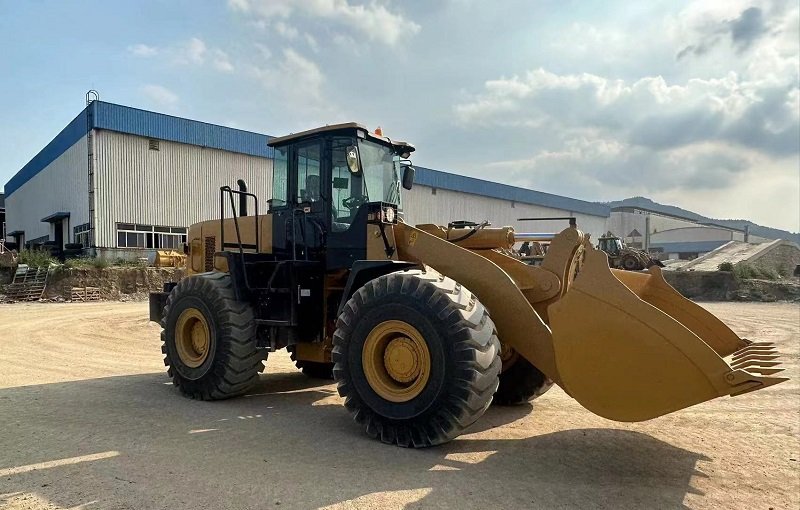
pixel 192 337
pixel 396 361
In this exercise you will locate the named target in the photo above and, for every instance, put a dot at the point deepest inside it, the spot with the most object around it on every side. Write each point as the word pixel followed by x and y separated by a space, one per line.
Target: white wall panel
pixel 697 233
pixel 177 185
pixel 623 223
pixel 60 186
pixel 420 205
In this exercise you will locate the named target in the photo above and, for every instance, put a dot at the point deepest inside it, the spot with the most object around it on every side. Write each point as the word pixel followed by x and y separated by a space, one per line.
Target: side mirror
pixel 353 159
pixel 408 176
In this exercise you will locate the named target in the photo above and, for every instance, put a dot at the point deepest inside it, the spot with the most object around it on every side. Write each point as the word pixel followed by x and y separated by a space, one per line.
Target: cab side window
pixel 309 183
pixel 280 177
pixel 344 185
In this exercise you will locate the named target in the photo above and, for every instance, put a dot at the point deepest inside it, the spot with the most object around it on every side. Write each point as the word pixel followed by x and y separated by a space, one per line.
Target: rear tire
pixel 520 382
pixel 209 339
pixel 313 369
pixel 447 328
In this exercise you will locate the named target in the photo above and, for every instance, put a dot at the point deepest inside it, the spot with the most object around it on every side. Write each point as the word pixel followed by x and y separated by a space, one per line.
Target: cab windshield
pixel 381 168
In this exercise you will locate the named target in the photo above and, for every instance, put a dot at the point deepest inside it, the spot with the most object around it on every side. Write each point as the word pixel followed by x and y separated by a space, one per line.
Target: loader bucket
pixel 629 347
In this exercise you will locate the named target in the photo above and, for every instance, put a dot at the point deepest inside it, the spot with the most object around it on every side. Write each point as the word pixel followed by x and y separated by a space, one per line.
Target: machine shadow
pixel 291 441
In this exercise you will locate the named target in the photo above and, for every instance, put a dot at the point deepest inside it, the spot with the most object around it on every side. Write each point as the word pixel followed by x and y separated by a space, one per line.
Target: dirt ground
pixel 88 419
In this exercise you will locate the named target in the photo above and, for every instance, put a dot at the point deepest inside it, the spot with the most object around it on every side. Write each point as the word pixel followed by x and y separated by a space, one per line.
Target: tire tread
pixel 475 343
pixel 237 362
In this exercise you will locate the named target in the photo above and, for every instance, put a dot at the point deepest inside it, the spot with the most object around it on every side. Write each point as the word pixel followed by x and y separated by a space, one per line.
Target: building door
pixel 58 226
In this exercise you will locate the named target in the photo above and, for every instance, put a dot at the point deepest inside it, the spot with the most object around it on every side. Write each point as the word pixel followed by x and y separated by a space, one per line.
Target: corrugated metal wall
pixel 420 205
pixel 124 119
pixel 176 185
pixel 471 185
pixel 61 186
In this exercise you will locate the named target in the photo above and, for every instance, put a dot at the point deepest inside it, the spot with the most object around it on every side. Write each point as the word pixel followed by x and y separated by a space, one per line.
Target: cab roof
pixel 358 129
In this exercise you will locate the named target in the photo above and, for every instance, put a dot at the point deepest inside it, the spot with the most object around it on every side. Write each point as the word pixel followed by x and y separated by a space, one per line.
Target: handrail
pixel 230 192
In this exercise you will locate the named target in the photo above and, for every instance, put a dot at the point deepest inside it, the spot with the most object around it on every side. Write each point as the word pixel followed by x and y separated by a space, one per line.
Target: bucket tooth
pixel 749 351
pixel 760 357
pixel 765 371
pixel 750 348
pixel 758 350
pixel 754 363
pixel 743 381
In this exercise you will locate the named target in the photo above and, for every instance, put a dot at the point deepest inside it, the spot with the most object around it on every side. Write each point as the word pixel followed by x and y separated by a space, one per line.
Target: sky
pixel 690 103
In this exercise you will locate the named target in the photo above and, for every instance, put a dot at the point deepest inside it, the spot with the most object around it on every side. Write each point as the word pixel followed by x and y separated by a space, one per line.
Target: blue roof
pixel 124 119
pixel 134 121
pixel 464 184
pixel 689 246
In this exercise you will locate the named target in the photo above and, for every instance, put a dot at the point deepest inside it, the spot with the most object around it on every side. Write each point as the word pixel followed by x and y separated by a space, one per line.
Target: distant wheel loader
pixel 621 256
pixel 423 327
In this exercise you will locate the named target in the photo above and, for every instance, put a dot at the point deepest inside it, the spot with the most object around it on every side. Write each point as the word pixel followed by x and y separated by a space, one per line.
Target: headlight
pixel 389 215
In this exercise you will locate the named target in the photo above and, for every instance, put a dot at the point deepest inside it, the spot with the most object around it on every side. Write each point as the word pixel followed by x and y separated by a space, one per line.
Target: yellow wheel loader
pixel 422 327
pixel 621 256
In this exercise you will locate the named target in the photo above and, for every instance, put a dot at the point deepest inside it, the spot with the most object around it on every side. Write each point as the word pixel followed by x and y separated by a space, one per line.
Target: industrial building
pixel 672 236
pixel 119 181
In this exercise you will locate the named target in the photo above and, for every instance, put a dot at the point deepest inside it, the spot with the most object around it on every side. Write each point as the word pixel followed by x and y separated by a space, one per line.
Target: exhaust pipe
pixel 242 198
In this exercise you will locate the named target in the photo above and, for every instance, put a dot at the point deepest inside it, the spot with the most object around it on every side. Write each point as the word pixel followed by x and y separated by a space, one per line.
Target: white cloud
pixel 298 84
pixel 374 19
pixel 312 42
pixel 191 52
pixel 221 61
pixel 160 96
pixel 143 50
pixel 239 5
pixel 286 31
pixel 263 51
pixel 722 130
pixel 306 79
pixel 648 111
pixel 194 51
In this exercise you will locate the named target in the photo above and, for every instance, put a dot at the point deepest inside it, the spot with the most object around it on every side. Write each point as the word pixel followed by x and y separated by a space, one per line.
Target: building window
pixel 153 144
pixel 433 191
pixel 130 235
pixel 80 235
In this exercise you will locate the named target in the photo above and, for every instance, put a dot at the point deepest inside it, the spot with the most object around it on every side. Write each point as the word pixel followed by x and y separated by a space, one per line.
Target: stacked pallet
pixel 29 283
pixel 84 294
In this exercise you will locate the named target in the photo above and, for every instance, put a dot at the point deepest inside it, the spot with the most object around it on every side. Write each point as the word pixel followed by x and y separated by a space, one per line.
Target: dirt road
pixel 88 419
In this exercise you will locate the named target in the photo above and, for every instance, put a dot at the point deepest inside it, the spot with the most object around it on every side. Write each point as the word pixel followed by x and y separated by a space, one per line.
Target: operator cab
pixel 327 184
pixel 610 245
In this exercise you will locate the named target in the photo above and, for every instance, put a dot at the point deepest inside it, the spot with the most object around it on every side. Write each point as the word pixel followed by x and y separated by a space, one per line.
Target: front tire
pixel 416 358
pixel 209 340
pixel 630 263
pixel 520 381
